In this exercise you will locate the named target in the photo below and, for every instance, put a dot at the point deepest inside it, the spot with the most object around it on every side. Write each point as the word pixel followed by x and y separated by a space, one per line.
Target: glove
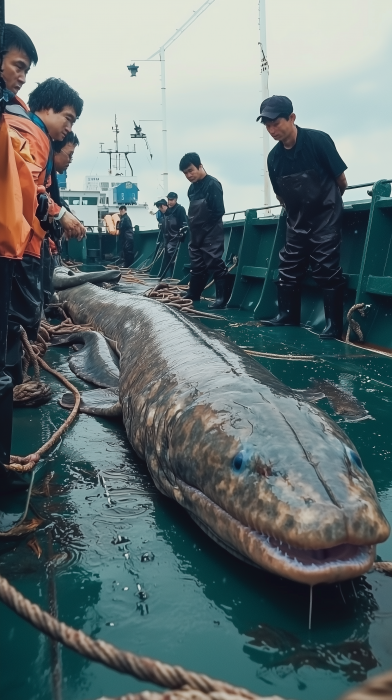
pixel 182 233
pixel 42 211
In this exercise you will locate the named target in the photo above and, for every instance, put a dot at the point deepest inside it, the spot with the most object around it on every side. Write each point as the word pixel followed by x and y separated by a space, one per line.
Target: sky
pixel 331 57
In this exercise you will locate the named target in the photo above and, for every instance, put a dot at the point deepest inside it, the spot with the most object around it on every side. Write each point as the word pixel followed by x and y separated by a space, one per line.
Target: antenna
pixel 116 131
pixel 117 153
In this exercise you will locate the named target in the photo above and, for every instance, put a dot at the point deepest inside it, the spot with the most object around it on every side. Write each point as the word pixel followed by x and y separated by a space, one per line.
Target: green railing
pixel 252 245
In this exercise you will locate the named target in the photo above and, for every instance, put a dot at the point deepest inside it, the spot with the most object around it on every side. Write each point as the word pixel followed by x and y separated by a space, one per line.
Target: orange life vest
pixel 33 146
pixel 16 211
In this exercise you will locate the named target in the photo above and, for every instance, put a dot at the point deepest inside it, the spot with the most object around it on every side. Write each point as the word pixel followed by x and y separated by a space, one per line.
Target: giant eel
pixel 266 474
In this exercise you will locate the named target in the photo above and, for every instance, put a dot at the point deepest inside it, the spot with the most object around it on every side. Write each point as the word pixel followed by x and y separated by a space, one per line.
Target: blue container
pixel 62 180
pixel 125 193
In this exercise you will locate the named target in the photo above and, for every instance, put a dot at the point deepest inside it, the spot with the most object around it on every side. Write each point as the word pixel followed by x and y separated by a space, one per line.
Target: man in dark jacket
pixel 125 238
pixel 174 223
pixel 206 246
pixel 307 175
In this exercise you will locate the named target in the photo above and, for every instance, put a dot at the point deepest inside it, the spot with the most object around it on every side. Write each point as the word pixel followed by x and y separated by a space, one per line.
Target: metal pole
pixel 264 95
pixel 164 123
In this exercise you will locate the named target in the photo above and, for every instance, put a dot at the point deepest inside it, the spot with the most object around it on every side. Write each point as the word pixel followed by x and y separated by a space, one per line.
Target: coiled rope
pixel 26 464
pixel 171 294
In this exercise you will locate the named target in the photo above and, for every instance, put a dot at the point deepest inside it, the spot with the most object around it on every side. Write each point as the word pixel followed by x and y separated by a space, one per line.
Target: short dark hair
pixel 122 206
pixel 267 120
pixel 55 94
pixel 190 159
pixel 16 38
pixel 70 138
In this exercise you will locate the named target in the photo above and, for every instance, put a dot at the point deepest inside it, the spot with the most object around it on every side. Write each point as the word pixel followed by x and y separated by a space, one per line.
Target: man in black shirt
pixel 307 175
pixel 174 220
pixel 206 246
pixel 125 237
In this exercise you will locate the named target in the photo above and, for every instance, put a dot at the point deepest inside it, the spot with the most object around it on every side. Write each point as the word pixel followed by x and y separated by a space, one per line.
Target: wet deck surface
pixel 107 530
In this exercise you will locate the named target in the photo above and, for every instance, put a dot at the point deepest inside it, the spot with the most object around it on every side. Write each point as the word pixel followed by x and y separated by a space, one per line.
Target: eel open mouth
pixel 309 566
pixel 340 556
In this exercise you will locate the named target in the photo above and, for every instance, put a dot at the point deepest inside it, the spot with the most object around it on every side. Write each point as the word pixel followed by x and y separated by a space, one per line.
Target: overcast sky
pixel 332 58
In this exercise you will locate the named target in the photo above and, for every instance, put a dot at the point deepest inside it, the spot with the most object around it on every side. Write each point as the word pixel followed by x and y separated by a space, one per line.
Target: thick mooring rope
pixel 183 684
pixel 185 694
pixel 141 667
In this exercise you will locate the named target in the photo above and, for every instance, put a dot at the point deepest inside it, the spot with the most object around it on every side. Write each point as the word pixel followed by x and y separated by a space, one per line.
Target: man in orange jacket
pixel 54 106
pixel 18 205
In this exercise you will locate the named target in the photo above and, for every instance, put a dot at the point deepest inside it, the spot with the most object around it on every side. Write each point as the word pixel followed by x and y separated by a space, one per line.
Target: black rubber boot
pixel 222 293
pixel 333 306
pixel 196 286
pixel 289 303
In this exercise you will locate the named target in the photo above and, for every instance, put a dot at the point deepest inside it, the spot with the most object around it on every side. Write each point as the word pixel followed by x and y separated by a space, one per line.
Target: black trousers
pixel 206 251
pixel 47 263
pixel 25 310
pixel 169 253
pixel 127 252
pixel 6 385
pixel 320 251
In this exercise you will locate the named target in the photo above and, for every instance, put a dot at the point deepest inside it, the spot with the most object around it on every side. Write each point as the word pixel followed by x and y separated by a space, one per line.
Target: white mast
pixel 161 53
pixel 264 95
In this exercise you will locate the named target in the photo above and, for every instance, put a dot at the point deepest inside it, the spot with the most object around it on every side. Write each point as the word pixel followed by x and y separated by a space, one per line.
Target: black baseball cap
pixel 275 106
pixel 160 202
pixel 172 195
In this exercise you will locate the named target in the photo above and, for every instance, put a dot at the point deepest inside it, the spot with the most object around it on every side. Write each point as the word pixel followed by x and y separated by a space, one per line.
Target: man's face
pixel 122 212
pixel 59 124
pixel 63 159
pixel 280 128
pixel 194 174
pixel 172 202
pixel 16 65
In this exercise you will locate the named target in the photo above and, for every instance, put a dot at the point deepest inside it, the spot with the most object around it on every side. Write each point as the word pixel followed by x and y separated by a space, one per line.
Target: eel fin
pixel 97 402
pixel 342 402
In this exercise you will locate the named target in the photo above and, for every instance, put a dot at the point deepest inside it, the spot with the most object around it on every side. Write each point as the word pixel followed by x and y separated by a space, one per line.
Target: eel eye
pixel 355 459
pixel 239 462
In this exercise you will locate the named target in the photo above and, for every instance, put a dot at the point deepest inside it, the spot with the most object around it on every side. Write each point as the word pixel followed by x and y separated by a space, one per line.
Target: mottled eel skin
pixel 267 475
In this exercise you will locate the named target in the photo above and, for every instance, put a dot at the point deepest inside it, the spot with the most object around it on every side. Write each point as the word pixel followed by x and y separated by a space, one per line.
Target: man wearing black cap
pixel 307 175
pixel 175 220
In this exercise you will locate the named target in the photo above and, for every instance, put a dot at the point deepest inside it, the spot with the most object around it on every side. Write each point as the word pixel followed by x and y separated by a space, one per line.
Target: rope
pixel 378 688
pixel 170 294
pixel 235 263
pixel 31 392
pixel 384 567
pixel 353 325
pixel 141 667
pixel 185 694
pixel 19 464
pixel 281 357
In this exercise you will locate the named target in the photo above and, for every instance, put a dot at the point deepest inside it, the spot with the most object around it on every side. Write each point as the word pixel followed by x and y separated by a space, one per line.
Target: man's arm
pixel 215 199
pixel 331 160
pixel 182 217
pixel 342 183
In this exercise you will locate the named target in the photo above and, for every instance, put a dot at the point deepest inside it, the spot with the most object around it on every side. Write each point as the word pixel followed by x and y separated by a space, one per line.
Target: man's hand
pixel 72 227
